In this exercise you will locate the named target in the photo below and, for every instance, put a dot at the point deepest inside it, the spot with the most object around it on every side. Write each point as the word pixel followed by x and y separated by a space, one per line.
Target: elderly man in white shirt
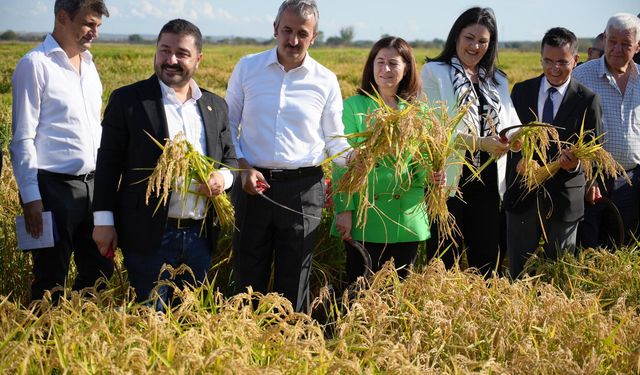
pixel 285 113
pixel 616 80
pixel 57 97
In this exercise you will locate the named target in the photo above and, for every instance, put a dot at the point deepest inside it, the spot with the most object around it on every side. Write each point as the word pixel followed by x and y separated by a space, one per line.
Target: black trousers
pixel 268 234
pixel 481 223
pixel 592 230
pixel 403 254
pixel 69 200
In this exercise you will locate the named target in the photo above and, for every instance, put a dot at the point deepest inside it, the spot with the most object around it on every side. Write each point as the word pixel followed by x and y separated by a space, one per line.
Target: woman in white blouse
pixel 465 72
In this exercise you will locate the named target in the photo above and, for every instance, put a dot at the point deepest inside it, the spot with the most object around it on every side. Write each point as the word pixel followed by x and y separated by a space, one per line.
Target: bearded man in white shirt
pixel 285 113
pixel 57 98
pixel 153 235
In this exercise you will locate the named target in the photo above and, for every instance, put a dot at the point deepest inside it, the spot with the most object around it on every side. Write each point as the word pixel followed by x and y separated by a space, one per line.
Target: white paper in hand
pixel 26 242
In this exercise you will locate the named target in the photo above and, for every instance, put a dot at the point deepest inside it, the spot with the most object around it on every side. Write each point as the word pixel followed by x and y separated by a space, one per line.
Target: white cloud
pixel 39 9
pixel 114 11
pixel 191 9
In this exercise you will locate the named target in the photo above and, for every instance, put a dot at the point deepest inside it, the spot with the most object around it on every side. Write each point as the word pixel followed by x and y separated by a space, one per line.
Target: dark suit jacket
pixel 563 195
pixel 127 157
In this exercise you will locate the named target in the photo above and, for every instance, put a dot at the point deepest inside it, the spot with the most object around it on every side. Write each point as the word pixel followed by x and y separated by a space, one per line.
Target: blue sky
pixel 410 19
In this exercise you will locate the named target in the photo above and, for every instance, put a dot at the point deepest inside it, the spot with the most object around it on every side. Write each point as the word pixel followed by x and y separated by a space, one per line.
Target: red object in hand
pixel 261 186
pixel 110 254
pixel 328 194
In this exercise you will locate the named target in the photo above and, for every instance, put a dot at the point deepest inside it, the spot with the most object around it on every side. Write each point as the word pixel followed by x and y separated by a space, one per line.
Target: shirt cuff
pixel 577 167
pixel 30 194
pixel 228 177
pixel 103 218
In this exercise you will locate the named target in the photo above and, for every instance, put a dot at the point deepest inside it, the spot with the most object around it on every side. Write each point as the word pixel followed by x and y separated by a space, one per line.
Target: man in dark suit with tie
pixel 558 205
pixel 164 105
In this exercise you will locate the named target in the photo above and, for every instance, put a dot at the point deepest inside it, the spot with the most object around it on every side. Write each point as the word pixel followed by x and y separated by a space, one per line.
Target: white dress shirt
pixel 186 118
pixel 620 112
pixel 555 98
pixel 56 116
pixel 284 120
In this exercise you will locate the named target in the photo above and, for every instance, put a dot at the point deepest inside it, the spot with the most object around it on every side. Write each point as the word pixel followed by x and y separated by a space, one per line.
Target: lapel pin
pixel 209 108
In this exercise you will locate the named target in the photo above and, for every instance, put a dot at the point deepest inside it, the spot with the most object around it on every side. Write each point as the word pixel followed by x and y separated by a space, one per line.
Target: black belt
pixel 66 177
pixel 183 223
pixel 289 174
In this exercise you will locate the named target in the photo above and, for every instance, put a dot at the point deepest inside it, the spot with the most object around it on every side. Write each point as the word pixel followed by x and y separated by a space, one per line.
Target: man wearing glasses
pixel 597 48
pixel 616 80
pixel 554 210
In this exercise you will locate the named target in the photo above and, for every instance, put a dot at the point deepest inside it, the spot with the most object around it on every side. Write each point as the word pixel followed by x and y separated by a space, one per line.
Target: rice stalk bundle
pixel 536 138
pixel 180 165
pixel 596 161
pixel 405 137
pixel 439 148
pixel 392 135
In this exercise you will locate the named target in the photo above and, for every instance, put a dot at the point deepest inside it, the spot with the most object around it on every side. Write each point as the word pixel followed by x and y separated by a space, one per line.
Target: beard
pixel 173 75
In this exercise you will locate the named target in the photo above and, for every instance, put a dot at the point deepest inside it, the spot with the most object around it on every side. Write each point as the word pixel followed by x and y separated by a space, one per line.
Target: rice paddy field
pixel 579 315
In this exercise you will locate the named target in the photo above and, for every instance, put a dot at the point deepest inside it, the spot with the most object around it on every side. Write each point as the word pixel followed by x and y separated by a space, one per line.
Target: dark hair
pixel 598 37
pixel 473 16
pixel 182 27
pixel 558 37
pixel 302 8
pixel 72 7
pixel 409 87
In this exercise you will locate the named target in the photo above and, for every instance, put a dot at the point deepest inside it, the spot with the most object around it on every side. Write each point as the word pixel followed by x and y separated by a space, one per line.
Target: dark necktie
pixel 547 110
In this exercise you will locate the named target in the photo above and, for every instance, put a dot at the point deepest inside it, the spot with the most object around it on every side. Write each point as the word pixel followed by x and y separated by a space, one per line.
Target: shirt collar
pixel 51 46
pixel 603 71
pixel 561 89
pixel 273 59
pixel 170 93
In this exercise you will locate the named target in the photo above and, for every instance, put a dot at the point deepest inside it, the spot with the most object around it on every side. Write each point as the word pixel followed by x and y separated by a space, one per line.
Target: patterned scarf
pixel 464 90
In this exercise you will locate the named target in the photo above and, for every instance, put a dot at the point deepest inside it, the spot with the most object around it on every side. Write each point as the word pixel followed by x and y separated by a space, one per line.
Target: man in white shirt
pixel 285 111
pixel 616 80
pixel 57 97
pixel 167 103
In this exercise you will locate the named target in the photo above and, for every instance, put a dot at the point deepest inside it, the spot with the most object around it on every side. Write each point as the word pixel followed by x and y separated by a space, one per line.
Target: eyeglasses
pixel 558 64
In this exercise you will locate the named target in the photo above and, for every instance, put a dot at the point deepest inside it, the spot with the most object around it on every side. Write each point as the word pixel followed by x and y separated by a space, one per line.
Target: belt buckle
pixel 274 172
pixel 88 176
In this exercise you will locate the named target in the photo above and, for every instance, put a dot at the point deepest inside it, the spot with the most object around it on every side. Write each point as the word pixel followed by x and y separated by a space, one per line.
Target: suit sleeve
pixel 111 154
pixel 226 144
pixel 593 116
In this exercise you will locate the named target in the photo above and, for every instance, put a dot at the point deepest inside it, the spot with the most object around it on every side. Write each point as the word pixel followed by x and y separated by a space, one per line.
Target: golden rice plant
pixel 536 138
pixel 596 161
pixel 440 147
pixel 412 134
pixel 393 135
pixel 179 165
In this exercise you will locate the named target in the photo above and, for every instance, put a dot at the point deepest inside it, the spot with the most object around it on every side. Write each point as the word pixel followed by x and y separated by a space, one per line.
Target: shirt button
pixel 375 196
pixel 396 196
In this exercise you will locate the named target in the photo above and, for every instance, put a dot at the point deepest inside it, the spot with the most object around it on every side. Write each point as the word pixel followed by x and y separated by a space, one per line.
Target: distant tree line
pixel 23 37
pixel 344 38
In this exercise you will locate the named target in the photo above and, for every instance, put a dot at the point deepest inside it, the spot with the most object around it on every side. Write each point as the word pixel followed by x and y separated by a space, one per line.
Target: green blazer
pixel 404 218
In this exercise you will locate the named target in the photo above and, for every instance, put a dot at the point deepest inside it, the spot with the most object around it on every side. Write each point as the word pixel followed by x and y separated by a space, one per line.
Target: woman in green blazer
pixel 399 221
